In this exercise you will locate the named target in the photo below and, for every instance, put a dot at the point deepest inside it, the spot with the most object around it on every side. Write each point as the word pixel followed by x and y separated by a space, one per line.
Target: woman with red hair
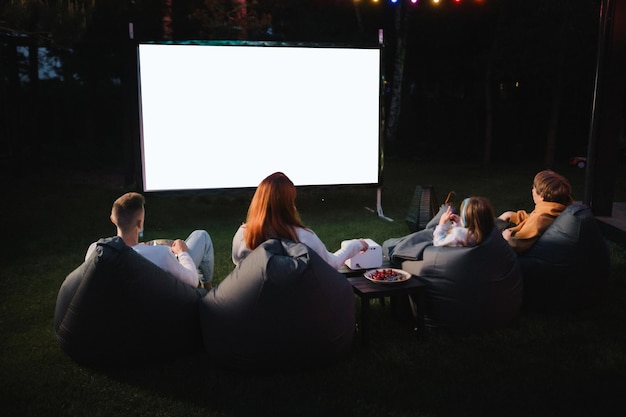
pixel 273 214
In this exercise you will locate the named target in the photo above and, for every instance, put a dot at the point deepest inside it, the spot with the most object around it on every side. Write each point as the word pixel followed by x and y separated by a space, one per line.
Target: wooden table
pixel 367 290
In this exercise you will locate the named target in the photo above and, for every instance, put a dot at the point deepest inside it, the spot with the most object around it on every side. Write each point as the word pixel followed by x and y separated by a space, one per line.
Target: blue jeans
pixel 201 251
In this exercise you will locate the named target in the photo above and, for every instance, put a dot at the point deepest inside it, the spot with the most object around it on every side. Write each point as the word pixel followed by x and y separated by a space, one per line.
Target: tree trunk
pixel 489 75
pixel 168 30
pixel 553 123
pixel 393 121
pixel 487 150
pixel 241 18
pixel 12 105
pixel 359 18
pixel 35 141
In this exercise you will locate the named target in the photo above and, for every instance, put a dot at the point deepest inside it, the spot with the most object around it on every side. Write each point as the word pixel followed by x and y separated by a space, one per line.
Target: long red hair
pixel 272 212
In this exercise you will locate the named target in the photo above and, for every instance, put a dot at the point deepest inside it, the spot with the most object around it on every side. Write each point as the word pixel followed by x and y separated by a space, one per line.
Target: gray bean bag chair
pixel 118 308
pixel 568 268
pixel 469 289
pixel 282 308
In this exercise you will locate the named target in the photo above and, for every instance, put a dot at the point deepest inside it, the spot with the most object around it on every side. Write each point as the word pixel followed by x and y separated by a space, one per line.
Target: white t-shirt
pixel 181 266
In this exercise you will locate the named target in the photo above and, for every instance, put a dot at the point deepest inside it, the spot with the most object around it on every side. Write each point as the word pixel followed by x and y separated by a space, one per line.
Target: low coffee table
pixel 367 290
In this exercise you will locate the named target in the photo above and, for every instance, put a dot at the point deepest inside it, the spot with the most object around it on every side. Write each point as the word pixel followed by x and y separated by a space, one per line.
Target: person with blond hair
pixel 551 193
pixel 469 228
pixel 273 214
pixel 183 259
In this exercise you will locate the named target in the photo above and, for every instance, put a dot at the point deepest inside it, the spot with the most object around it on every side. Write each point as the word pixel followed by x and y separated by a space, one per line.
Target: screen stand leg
pixel 379 205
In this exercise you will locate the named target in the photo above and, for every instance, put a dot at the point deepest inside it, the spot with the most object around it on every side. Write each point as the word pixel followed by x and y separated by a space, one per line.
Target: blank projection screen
pixel 227 116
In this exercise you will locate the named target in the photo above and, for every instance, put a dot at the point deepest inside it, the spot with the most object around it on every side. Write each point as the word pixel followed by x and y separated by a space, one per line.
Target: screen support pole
pixel 379 205
pixel 379 190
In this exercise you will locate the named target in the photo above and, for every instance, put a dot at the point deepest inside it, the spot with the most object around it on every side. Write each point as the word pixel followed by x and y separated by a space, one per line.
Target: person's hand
pixel 179 246
pixel 365 245
pixel 506 234
pixel 506 216
pixel 445 216
pixel 448 215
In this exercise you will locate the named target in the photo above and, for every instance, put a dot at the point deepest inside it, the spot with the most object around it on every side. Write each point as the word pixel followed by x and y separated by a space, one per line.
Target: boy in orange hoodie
pixel 551 194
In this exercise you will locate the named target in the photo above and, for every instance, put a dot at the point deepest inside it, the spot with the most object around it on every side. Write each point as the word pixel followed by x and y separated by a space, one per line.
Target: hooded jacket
pixel 530 226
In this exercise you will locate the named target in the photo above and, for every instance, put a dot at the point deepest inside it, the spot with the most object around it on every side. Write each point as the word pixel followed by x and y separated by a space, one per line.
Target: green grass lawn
pixel 572 365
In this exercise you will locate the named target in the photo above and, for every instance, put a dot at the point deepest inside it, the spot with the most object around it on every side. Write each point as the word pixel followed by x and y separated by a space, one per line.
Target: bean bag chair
pixel 568 268
pixel 118 308
pixel 282 308
pixel 469 289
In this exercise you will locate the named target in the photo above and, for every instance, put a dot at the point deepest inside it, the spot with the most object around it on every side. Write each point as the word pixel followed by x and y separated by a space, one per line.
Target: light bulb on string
pixel 396 1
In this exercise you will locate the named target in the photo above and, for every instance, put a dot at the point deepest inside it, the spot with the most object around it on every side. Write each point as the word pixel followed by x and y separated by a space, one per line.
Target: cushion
pixel 119 308
pixel 469 289
pixel 568 268
pixel 282 308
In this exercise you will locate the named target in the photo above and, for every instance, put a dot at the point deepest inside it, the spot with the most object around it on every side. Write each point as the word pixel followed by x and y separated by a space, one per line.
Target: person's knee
pixel 200 235
pixel 207 238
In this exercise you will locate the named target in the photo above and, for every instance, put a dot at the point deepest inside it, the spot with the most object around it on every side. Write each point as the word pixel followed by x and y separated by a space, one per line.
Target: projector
pixel 371 258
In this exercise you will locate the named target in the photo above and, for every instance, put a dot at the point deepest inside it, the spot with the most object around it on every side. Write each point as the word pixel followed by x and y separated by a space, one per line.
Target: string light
pixel 433 2
pixel 397 1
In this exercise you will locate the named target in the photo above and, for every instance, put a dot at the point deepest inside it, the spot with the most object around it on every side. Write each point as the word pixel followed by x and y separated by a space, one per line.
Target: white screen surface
pixel 227 116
